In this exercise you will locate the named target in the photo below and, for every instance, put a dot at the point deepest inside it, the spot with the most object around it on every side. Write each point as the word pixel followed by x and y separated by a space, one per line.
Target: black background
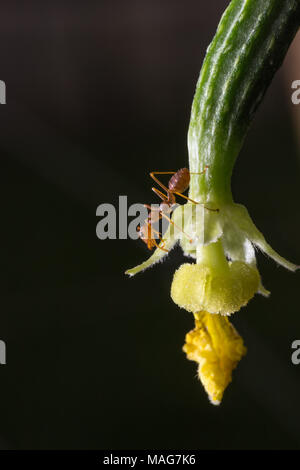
pixel 98 94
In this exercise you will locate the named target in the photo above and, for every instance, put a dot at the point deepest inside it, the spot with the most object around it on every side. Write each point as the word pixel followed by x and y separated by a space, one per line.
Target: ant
pixel 178 183
pixel 146 231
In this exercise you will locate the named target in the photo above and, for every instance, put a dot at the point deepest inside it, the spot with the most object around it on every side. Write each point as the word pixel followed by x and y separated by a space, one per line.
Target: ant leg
pixel 162 215
pixel 154 215
pixel 177 226
pixel 151 208
pixel 161 195
pixel 161 240
pixel 159 182
pixel 161 247
pixel 185 197
pixel 162 173
pixel 191 200
pixel 201 172
pixel 156 232
pixel 152 230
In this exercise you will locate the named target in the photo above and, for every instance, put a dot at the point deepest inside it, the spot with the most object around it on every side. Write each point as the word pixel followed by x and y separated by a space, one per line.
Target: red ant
pixel 146 231
pixel 178 183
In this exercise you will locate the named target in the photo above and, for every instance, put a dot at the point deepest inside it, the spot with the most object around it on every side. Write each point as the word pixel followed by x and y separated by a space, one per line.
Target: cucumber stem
pixel 213 255
pixel 247 50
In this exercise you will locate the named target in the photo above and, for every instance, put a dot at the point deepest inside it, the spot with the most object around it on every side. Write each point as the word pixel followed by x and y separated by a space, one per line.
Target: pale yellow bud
pixel 199 287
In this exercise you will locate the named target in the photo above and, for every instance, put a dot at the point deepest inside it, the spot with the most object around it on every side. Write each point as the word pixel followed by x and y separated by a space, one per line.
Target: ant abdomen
pixel 180 181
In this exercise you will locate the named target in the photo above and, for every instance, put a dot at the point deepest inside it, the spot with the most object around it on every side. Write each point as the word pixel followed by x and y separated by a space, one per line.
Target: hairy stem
pixel 249 47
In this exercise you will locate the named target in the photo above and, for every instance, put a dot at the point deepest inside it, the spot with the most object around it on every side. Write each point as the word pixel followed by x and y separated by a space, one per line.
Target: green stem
pixel 212 255
pixel 249 47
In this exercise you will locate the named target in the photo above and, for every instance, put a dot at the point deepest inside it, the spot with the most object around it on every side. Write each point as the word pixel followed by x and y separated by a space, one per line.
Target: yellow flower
pixel 223 287
pixel 217 347
pixel 223 279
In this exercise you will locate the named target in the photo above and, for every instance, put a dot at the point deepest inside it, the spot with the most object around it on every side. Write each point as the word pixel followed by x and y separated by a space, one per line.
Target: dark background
pixel 98 94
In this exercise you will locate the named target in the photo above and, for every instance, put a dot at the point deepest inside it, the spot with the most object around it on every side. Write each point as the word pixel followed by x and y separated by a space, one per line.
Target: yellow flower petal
pixel 217 347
